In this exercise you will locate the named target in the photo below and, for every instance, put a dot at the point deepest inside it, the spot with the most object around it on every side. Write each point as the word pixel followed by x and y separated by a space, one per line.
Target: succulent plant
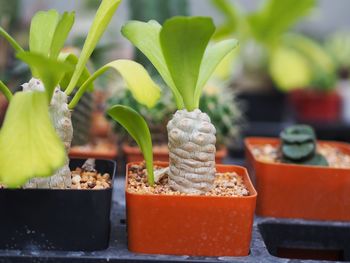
pixel 299 146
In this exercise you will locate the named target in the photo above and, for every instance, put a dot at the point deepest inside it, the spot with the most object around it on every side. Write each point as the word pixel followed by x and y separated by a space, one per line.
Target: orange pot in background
pixel 102 150
pixel 191 225
pixel 300 191
pixel 160 153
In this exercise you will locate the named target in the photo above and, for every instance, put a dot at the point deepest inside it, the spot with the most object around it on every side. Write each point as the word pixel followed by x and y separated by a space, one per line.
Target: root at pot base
pixel 225 184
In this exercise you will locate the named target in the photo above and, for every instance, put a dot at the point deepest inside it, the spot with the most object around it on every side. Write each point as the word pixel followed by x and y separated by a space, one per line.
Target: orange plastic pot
pixel 133 154
pixel 300 191
pixel 191 225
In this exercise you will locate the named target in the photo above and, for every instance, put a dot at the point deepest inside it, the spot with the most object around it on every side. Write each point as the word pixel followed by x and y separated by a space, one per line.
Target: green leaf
pixel 29 144
pixel 276 17
pixel 145 36
pixel 11 40
pixel 212 57
pixel 137 127
pixel 42 30
pixel 6 91
pixel 144 90
pixel 73 60
pixel 61 33
pixel 102 18
pixel 183 41
pixel 231 15
pixel 49 71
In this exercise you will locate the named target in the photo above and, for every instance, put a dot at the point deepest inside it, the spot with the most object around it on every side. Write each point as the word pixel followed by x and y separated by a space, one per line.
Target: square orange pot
pixel 191 225
pixel 300 191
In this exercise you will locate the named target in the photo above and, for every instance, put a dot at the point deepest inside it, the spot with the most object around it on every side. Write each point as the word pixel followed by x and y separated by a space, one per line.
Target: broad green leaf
pixel 145 36
pixel 142 87
pixel 212 57
pixel 73 60
pixel 137 127
pixel 231 15
pixel 277 16
pixel 102 18
pixel 42 30
pixel 11 40
pixel 29 144
pixel 61 33
pixel 49 71
pixel 6 91
pixel 183 41
pixel 289 69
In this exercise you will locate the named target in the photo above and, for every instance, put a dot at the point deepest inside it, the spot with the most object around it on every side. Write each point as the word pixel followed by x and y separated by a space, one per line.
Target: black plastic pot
pixel 264 106
pixel 50 219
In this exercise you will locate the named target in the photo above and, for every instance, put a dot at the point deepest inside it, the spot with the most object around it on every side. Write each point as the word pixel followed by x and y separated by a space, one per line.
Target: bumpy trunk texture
pixel 61 119
pixel 191 152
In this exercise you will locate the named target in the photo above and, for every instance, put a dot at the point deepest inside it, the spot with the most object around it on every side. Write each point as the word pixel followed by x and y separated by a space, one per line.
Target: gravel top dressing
pixel 225 184
pixel 335 157
pixel 87 180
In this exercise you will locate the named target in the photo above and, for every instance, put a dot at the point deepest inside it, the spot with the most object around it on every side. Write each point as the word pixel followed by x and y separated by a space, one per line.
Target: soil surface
pixel 88 180
pixel 225 184
pixel 335 157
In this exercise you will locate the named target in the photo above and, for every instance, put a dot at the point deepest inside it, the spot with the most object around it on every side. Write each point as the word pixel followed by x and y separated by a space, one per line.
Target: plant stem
pixel 82 89
pixel 6 91
pixel 11 40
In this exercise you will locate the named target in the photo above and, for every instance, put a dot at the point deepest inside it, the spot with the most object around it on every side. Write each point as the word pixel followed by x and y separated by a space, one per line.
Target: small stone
pixel 76 179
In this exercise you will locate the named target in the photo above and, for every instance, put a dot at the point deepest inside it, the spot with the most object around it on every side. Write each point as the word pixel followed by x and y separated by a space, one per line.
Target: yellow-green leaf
pixel 42 30
pixel 289 69
pixel 62 30
pixel 184 41
pixel 49 71
pixel 29 144
pixel 141 85
pixel 145 36
pixel 73 60
pixel 212 57
pixel 137 127
pixel 102 18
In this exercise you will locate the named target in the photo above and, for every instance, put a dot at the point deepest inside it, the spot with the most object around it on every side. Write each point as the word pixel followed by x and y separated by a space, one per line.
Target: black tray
pixel 272 239
pixel 37 219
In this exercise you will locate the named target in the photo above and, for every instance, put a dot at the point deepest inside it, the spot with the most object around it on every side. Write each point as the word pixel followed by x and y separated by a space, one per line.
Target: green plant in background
pixel 302 63
pixel 223 109
pixel 260 33
pixel 299 146
pixel 37 130
pixel 157 117
pixel 180 52
pixel 338 46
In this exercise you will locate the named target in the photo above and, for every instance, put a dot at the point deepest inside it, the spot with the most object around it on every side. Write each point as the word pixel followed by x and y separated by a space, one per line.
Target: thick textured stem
pixel 61 119
pixel 191 152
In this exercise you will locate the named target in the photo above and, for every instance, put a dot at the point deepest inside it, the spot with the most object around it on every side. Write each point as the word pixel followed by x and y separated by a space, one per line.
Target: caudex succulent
pixel 37 131
pixel 299 146
pixel 181 53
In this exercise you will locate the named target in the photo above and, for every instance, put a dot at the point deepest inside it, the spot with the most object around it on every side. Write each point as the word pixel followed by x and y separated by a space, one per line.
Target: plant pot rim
pixel 243 173
pixel 69 190
pixel 249 142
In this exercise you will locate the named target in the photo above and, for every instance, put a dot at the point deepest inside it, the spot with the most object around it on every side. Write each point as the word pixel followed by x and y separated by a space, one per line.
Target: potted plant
pixel 299 177
pixel 310 80
pixel 217 101
pixel 180 208
pixel 260 36
pixel 51 211
pixel 338 46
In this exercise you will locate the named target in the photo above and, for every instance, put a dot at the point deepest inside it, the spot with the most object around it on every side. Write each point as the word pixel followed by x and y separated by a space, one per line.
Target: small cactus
pixel 298 145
